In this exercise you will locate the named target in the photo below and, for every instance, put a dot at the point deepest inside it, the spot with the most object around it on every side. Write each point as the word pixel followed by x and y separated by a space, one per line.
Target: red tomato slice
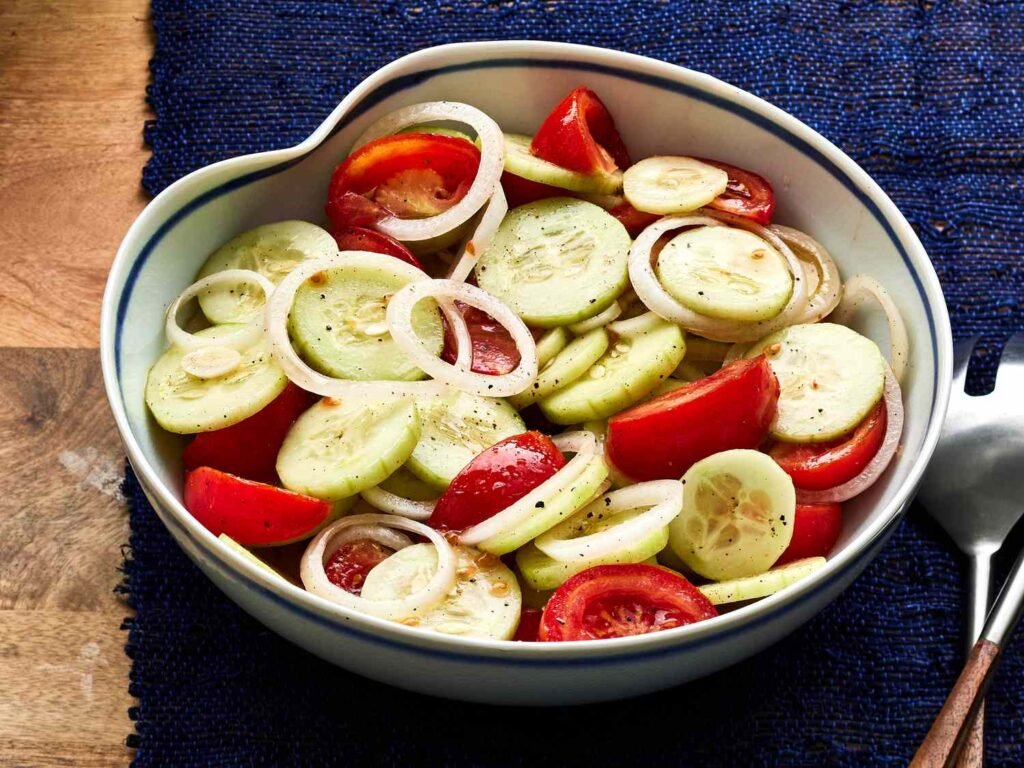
pixel 253 514
pixel 622 600
pixel 529 626
pixel 633 220
pixel 732 408
pixel 249 448
pixel 499 476
pixel 409 175
pixel 580 135
pixel 520 191
pixel 348 566
pixel 747 194
pixel 819 466
pixel 815 531
pixel 362 239
pixel 494 350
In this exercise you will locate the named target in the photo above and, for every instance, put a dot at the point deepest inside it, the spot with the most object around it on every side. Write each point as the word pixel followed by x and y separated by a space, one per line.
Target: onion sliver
pixel 583 444
pixel 597 321
pixel 463 341
pixel 861 287
pixel 387 537
pixel 239 340
pixel 314 576
pixel 893 430
pixel 494 214
pixel 399 321
pixel 488 175
pixel 830 286
pixel 664 497
pixel 280 305
pixel 398 505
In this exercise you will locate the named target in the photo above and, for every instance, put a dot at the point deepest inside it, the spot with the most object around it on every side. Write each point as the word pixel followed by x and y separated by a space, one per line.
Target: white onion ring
pixel 635 326
pixel 295 368
pixel 664 497
pixel 394 504
pixel 860 287
pixel 239 340
pixel 463 341
pixel 583 444
pixel 830 286
pixel 488 176
pixel 399 320
pixel 597 321
pixel 477 243
pixel 315 580
pixel 386 537
pixel 890 443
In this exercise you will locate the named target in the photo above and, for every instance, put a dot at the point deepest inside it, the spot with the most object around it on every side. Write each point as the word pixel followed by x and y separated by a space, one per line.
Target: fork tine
pixel 1010 374
pixel 962 351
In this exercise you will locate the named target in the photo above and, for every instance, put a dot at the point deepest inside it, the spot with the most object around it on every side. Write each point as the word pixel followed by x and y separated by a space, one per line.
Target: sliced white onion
pixel 399 321
pixel 597 321
pixel 825 296
pixel 861 287
pixel 488 176
pixel 241 339
pixel 387 537
pixel 463 341
pixel 323 545
pixel 295 368
pixel 481 238
pixel 583 444
pixel 664 497
pixel 875 468
pixel 398 505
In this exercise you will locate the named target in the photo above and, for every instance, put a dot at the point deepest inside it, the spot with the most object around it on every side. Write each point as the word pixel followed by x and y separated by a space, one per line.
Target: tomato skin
pixel 747 195
pixel 253 514
pixel 820 466
pixel 520 191
pixel 580 134
pixel 363 239
pixel 348 565
pixel 499 476
pixel 815 532
pixel 529 626
pixel 622 600
pixel 663 437
pixel 249 448
pixel 494 350
pixel 633 220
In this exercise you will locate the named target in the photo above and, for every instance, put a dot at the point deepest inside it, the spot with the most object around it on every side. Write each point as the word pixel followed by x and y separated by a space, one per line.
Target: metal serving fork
pixel 974 486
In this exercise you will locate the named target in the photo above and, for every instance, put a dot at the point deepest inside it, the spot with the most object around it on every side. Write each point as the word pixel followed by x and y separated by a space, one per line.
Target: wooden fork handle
pixel 972 754
pixel 949 731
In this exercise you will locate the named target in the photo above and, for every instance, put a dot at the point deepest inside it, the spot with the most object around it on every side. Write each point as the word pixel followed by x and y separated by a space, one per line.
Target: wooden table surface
pixel 73 75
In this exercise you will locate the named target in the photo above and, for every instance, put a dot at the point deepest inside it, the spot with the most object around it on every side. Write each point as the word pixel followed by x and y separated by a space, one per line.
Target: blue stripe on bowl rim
pixel 404 82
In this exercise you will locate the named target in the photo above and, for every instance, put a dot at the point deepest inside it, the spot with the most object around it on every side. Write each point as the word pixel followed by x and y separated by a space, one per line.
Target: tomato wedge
pixel 580 134
pixel 819 466
pixel 409 175
pixel 494 350
pixel 249 448
pixel 732 408
pixel 815 532
pixel 529 626
pixel 499 476
pixel 520 191
pixel 253 514
pixel 747 194
pixel 348 566
pixel 363 239
pixel 633 220
pixel 622 600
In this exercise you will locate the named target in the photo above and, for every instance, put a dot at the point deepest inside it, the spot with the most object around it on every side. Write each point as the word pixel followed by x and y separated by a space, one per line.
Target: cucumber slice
pixel 725 272
pixel 556 261
pixel 668 184
pixel 830 378
pixel 485 601
pixel 551 343
pixel 762 585
pixel 456 429
pixel 567 366
pixel 520 161
pixel 737 516
pixel 337 449
pixel 404 483
pixel 273 250
pixel 337 323
pixel 630 370
pixel 186 404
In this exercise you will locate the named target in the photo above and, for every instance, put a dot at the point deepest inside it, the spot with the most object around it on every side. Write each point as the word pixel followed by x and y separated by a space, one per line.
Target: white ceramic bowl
pixel 660 109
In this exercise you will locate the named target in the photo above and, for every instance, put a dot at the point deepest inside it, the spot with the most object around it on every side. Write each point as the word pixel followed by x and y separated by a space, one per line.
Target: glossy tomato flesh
pixel 348 565
pixel 663 437
pixel 816 530
pixel 520 191
pixel 580 134
pixel 494 350
pixel 363 239
pixel 499 476
pixel 253 514
pixel 747 194
pixel 622 600
pixel 529 626
pixel 633 220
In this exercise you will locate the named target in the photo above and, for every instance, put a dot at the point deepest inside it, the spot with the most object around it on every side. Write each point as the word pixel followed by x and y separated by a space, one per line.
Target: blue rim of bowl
pixel 404 82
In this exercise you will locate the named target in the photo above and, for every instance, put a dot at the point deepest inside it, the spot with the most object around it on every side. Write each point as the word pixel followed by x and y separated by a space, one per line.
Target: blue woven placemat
pixel 926 96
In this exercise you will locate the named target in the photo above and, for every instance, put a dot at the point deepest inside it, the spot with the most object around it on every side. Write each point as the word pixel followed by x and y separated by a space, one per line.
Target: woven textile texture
pixel 926 96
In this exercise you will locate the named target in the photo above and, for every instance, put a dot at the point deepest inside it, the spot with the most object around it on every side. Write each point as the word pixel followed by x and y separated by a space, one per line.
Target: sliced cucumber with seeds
pixel 337 449
pixel 273 250
pixel 456 429
pixel 725 272
pixel 737 516
pixel 551 343
pixel 520 161
pixel 567 366
pixel 484 602
pixel 630 370
pixel 762 585
pixel 830 378
pixel 337 324
pixel 668 184
pixel 186 404
pixel 556 262
pixel 404 483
